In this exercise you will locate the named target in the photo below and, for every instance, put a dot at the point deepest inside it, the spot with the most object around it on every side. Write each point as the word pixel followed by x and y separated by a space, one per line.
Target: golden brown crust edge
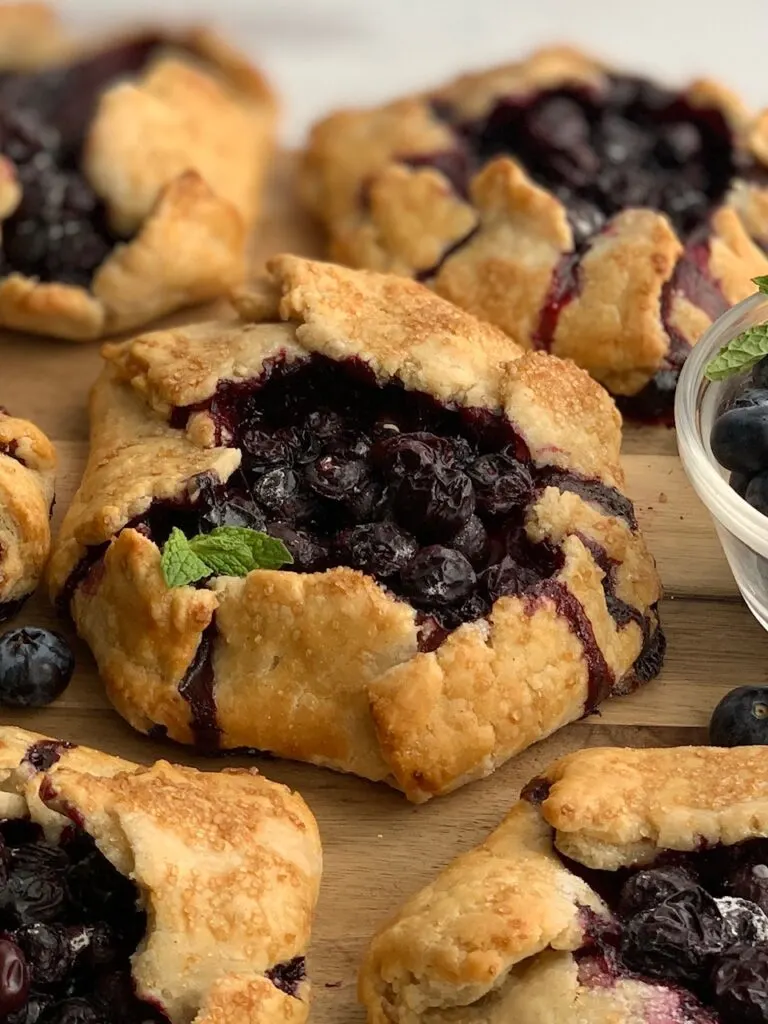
pixel 363 712
pixel 462 949
pixel 493 251
pixel 27 471
pixel 163 827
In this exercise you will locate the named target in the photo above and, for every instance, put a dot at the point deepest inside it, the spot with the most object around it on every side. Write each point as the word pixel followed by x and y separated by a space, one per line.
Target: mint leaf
pixel 236 551
pixel 741 353
pixel 179 563
pixel 762 283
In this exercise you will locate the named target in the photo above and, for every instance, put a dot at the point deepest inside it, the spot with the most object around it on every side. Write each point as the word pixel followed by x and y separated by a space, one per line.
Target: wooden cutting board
pixel 378 848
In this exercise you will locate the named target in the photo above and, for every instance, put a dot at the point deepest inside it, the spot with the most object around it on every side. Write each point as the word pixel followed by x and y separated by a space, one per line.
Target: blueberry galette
pixel 466 576
pixel 134 894
pixel 27 469
pixel 129 175
pixel 587 213
pixel 626 887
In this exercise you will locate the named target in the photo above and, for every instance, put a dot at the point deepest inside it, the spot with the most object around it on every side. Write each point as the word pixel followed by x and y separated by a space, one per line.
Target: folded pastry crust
pixel 226 864
pixel 493 938
pixel 397 191
pixel 178 156
pixel 27 471
pixel 325 666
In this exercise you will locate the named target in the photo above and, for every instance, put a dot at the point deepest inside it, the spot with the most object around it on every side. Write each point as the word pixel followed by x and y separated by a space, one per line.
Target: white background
pixel 325 53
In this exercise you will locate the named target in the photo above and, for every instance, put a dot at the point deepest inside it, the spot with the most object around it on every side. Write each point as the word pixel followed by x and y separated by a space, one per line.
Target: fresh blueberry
pixel 437 576
pixel 739 482
pixel 739 439
pixel 759 374
pixel 756 492
pixel 36 666
pixel 741 718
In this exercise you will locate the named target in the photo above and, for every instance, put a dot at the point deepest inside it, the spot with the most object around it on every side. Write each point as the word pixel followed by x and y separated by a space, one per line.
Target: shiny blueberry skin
pixel 739 439
pixel 36 666
pixel 14 978
pixel 756 492
pixel 741 718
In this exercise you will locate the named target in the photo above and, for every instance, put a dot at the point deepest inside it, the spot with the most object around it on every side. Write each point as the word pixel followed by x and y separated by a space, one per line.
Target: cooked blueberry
pixel 380 549
pixel 325 424
pixel 677 938
pixel 507 578
pixel 403 453
pixel 472 541
pixel 741 718
pixel 14 977
pixel 557 122
pixel 621 140
pixel 335 476
pixel 585 219
pixel 73 1011
pixel 437 576
pixel 648 888
pixel 745 921
pixel 740 985
pixel 36 666
pixel 434 502
pixel 501 483
pixel 677 144
pixel 277 490
pixel 289 975
pixel 739 439
pixel 750 882
pixel 33 897
pixel 264 450
pixel 309 555
pixel 37 857
pixel 32 1011
pixel 231 512
pixel 48 952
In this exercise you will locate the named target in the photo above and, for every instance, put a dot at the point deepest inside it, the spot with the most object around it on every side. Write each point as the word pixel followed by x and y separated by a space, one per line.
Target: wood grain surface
pixel 379 849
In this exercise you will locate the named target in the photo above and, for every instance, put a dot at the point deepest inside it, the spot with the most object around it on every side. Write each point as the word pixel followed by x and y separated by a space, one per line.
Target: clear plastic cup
pixel 743 531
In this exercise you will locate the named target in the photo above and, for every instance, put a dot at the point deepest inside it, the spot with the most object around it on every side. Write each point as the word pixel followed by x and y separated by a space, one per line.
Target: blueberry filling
pixel 429 500
pixel 289 975
pixel 695 923
pixel 633 144
pixel 43 754
pixel 59 231
pixel 69 923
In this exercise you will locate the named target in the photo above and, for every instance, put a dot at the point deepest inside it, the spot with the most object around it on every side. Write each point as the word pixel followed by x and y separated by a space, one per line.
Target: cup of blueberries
pixel 721 416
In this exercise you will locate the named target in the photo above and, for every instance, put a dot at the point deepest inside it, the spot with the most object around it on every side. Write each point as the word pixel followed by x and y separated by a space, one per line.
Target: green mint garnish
pixel 225 551
pixel 741 353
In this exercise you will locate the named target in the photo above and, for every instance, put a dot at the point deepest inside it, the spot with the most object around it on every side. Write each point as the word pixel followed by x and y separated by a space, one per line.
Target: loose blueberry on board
pixel 741 718
pixel 36 666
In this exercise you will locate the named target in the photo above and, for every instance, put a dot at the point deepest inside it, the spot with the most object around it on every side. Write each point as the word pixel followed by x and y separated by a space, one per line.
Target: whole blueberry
pixel 648 888
pixel 73 1011
pixel 472 541
pixel 434 502
pixel 235 511
pixel 756 492
pixel 501 484
pixel 381 549
pixel 507 578
pixel 750 882
pixel 741 718
pixel 739 482
pixel 14 978
pixel 740 985
pixel 36 666
pixel 309 554
pixel 437 576
pixel 739 439
pixel 677 938
pixel 48 952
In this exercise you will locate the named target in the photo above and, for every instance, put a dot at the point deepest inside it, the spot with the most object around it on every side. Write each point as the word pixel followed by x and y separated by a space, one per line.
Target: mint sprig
pixel 745 350
pixel 225 551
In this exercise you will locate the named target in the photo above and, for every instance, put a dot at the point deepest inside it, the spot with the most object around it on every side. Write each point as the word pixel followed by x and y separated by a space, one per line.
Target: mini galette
pixel 150 895
pixel 27 471
pixel 130 174
pixel 467 574
pixel 626 887
pixel 585 212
